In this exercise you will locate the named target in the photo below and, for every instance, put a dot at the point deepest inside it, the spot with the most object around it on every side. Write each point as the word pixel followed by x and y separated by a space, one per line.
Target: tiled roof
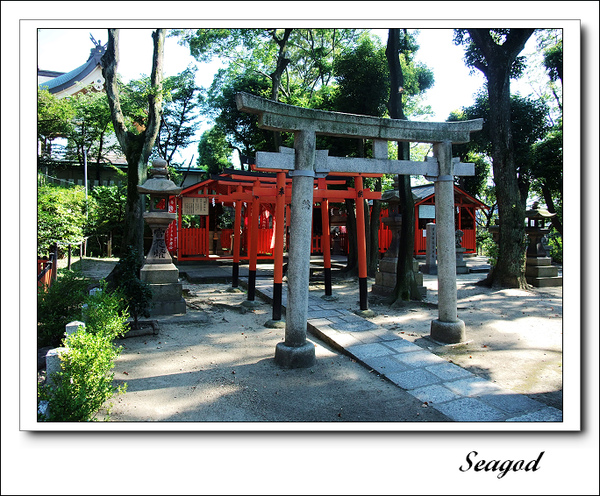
pixel 67 79
pixel 70 78
pixel 423 191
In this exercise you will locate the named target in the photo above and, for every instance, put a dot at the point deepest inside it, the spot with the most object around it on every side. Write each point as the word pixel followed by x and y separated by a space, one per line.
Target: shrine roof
pixel 424 191
pixel 70 78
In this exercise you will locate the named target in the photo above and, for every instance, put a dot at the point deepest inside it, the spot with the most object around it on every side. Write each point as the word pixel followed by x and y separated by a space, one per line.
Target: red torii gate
pixel 236 187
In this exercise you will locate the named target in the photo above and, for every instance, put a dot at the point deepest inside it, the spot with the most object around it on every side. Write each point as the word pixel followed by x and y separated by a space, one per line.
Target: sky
pixel 65 49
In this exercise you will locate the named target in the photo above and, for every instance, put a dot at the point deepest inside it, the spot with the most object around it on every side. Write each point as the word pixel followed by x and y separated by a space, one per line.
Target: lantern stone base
pixel 163 280
pixel 385 278
pixel 540 272
pixel 461 264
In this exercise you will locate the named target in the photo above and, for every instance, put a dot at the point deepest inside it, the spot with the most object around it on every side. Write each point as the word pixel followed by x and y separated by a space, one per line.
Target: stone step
pixel 545 282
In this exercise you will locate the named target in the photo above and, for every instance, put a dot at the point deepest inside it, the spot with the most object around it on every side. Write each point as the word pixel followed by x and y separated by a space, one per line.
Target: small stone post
pixel 448 328
pixel 296 351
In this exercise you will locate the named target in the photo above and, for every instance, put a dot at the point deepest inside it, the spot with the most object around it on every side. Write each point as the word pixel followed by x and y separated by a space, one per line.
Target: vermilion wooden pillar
pixel 237 234
pixel 326 245
pixel 253 244
pixel 362 243
pixel 278 255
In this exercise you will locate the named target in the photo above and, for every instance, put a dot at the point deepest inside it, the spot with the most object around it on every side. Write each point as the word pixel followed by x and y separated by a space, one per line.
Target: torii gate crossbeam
pixel 296 351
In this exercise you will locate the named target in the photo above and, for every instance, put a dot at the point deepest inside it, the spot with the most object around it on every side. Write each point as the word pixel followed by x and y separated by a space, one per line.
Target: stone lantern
pixel 536 229
pixel 158 269
pixel 539 270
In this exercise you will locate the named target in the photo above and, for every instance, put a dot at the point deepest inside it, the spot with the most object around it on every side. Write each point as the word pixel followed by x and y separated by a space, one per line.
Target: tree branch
pixel 110 61
pixel 515 42
pixel 155 98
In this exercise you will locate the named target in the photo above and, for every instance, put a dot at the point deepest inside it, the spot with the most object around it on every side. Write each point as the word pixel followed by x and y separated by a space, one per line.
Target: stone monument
pixel 158 270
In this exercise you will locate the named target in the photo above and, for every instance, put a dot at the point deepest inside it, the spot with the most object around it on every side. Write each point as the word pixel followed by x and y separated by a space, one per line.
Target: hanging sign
pixel 426 211
pixel 194 206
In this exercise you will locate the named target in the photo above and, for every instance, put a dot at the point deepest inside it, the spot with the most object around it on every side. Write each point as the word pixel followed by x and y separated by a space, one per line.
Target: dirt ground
pixel 216 363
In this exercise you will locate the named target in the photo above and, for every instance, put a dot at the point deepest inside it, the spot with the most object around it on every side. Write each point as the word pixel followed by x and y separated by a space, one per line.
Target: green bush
pixel 136 293
pixel 106 217
pixel 488 246
pixel 85 381
pixel 556 246
pixel 61 216
pixel 60 304
pixel 105 312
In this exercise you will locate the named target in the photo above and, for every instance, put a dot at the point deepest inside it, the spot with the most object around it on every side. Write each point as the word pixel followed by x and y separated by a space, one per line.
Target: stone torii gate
pixel 307 162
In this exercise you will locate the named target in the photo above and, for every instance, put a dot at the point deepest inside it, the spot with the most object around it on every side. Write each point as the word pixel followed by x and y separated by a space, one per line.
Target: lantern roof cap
pixel 159 183
pixel 538 213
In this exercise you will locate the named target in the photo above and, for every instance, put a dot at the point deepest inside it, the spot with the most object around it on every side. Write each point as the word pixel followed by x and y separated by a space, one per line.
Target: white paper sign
pixel 195 206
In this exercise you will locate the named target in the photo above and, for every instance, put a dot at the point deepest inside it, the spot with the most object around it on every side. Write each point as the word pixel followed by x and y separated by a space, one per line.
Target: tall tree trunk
pixel 137 148
pixel 509 270
pixel 281 64
pixel 406 285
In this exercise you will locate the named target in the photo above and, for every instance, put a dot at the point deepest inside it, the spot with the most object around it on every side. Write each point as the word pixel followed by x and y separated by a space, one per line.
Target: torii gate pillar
pixel 448 328
pixel 295 351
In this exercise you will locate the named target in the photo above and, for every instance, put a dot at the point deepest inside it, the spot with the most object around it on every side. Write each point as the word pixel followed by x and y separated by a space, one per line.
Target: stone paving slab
pixel 470 410
pixel 452 390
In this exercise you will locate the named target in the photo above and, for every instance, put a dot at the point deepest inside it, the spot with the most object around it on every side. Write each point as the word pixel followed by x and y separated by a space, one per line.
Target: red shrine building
pixel 206 211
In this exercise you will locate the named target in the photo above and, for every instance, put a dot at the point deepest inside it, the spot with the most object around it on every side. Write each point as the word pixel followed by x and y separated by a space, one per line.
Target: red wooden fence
pixel 193 242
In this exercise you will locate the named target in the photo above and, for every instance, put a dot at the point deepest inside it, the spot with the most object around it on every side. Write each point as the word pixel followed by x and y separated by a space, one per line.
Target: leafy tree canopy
pixel 213 150
pixel 475 59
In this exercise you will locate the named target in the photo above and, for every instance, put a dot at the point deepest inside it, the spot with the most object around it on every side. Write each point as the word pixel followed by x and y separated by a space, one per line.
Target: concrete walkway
pixel 452 390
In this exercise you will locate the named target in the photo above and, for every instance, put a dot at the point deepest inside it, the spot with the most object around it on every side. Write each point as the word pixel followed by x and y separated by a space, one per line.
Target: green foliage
pixel 83 385
pixel 474 57
pixel 214 153
pixel 529 123
pixel 240 127
pixel 363 79
pixel 106 213
pixel 92 125
pixel 547 168
pixel 488 246
pixel 207 43
pixel 54 115
pixel 85 382
pixel 553 61
pixel 190 221
pixel 58 305
pixel 556 246
pixel 83 119
pixel 105 312
pixel 61 216
pixel 179 122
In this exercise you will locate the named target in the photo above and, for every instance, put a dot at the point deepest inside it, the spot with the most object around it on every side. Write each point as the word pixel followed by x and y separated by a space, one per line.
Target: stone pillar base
pixel 448 332
pixel 295 357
